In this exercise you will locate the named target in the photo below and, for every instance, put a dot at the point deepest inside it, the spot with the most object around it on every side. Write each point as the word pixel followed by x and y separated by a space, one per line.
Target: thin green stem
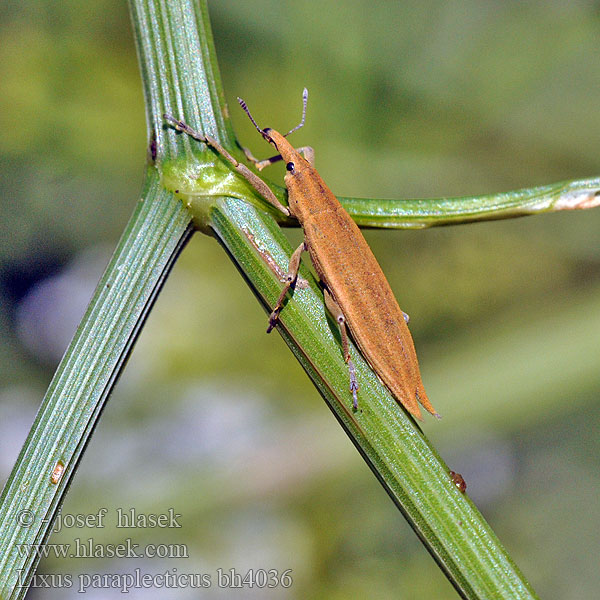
pixel 419 214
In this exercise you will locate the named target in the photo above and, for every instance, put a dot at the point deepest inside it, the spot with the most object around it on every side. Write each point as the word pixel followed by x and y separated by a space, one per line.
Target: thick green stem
pixel 155 235
pixel 389 440
pixel 410 470
pixel 85 377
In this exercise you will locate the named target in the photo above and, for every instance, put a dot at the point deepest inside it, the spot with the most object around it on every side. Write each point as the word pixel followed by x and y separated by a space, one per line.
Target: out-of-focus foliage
pixel 216 419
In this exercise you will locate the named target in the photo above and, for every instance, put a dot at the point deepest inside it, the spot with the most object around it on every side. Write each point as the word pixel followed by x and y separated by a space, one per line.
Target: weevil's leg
pixel 185 128
pixel 254 180
pixel 309 154
pixel 251 158
pixel 336 311
pixel 262 188
pixel 307 151
pixel 261 164
pixel 290 280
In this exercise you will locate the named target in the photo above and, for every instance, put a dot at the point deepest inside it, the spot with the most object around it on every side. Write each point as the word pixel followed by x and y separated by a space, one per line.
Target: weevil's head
pixel 280 143
pixel 295 163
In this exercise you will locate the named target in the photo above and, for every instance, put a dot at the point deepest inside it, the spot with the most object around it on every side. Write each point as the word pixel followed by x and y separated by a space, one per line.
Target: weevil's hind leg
pixel 254 180
pixel 336 311
pixel 290 280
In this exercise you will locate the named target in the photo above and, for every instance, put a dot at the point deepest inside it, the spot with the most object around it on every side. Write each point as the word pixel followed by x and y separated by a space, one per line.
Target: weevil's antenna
pixel 247 111
pixel 304 103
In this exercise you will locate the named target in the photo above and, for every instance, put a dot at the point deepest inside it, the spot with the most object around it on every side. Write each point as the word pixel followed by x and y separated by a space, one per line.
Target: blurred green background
pixel 215 419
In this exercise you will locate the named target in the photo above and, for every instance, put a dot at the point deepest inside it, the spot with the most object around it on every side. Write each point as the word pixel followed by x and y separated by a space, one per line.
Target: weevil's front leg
pixel 307 151
pixel 254 180
pixel 290 280
pixel 336 311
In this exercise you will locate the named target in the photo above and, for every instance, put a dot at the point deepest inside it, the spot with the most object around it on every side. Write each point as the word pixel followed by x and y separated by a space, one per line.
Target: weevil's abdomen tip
pixel 414 410
pixel 424 400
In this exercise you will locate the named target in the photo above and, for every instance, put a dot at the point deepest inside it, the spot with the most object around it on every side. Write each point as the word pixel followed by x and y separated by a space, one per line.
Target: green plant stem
pixel 85 377
pixel 391 443
pixel 433 212
pixel 193 184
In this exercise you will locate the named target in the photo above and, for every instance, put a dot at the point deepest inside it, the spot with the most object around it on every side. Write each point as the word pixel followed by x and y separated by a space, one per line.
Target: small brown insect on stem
pixel 458 481
pixel 57 472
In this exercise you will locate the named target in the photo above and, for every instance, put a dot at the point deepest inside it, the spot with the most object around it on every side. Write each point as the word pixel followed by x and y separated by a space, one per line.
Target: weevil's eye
pixel 290 167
